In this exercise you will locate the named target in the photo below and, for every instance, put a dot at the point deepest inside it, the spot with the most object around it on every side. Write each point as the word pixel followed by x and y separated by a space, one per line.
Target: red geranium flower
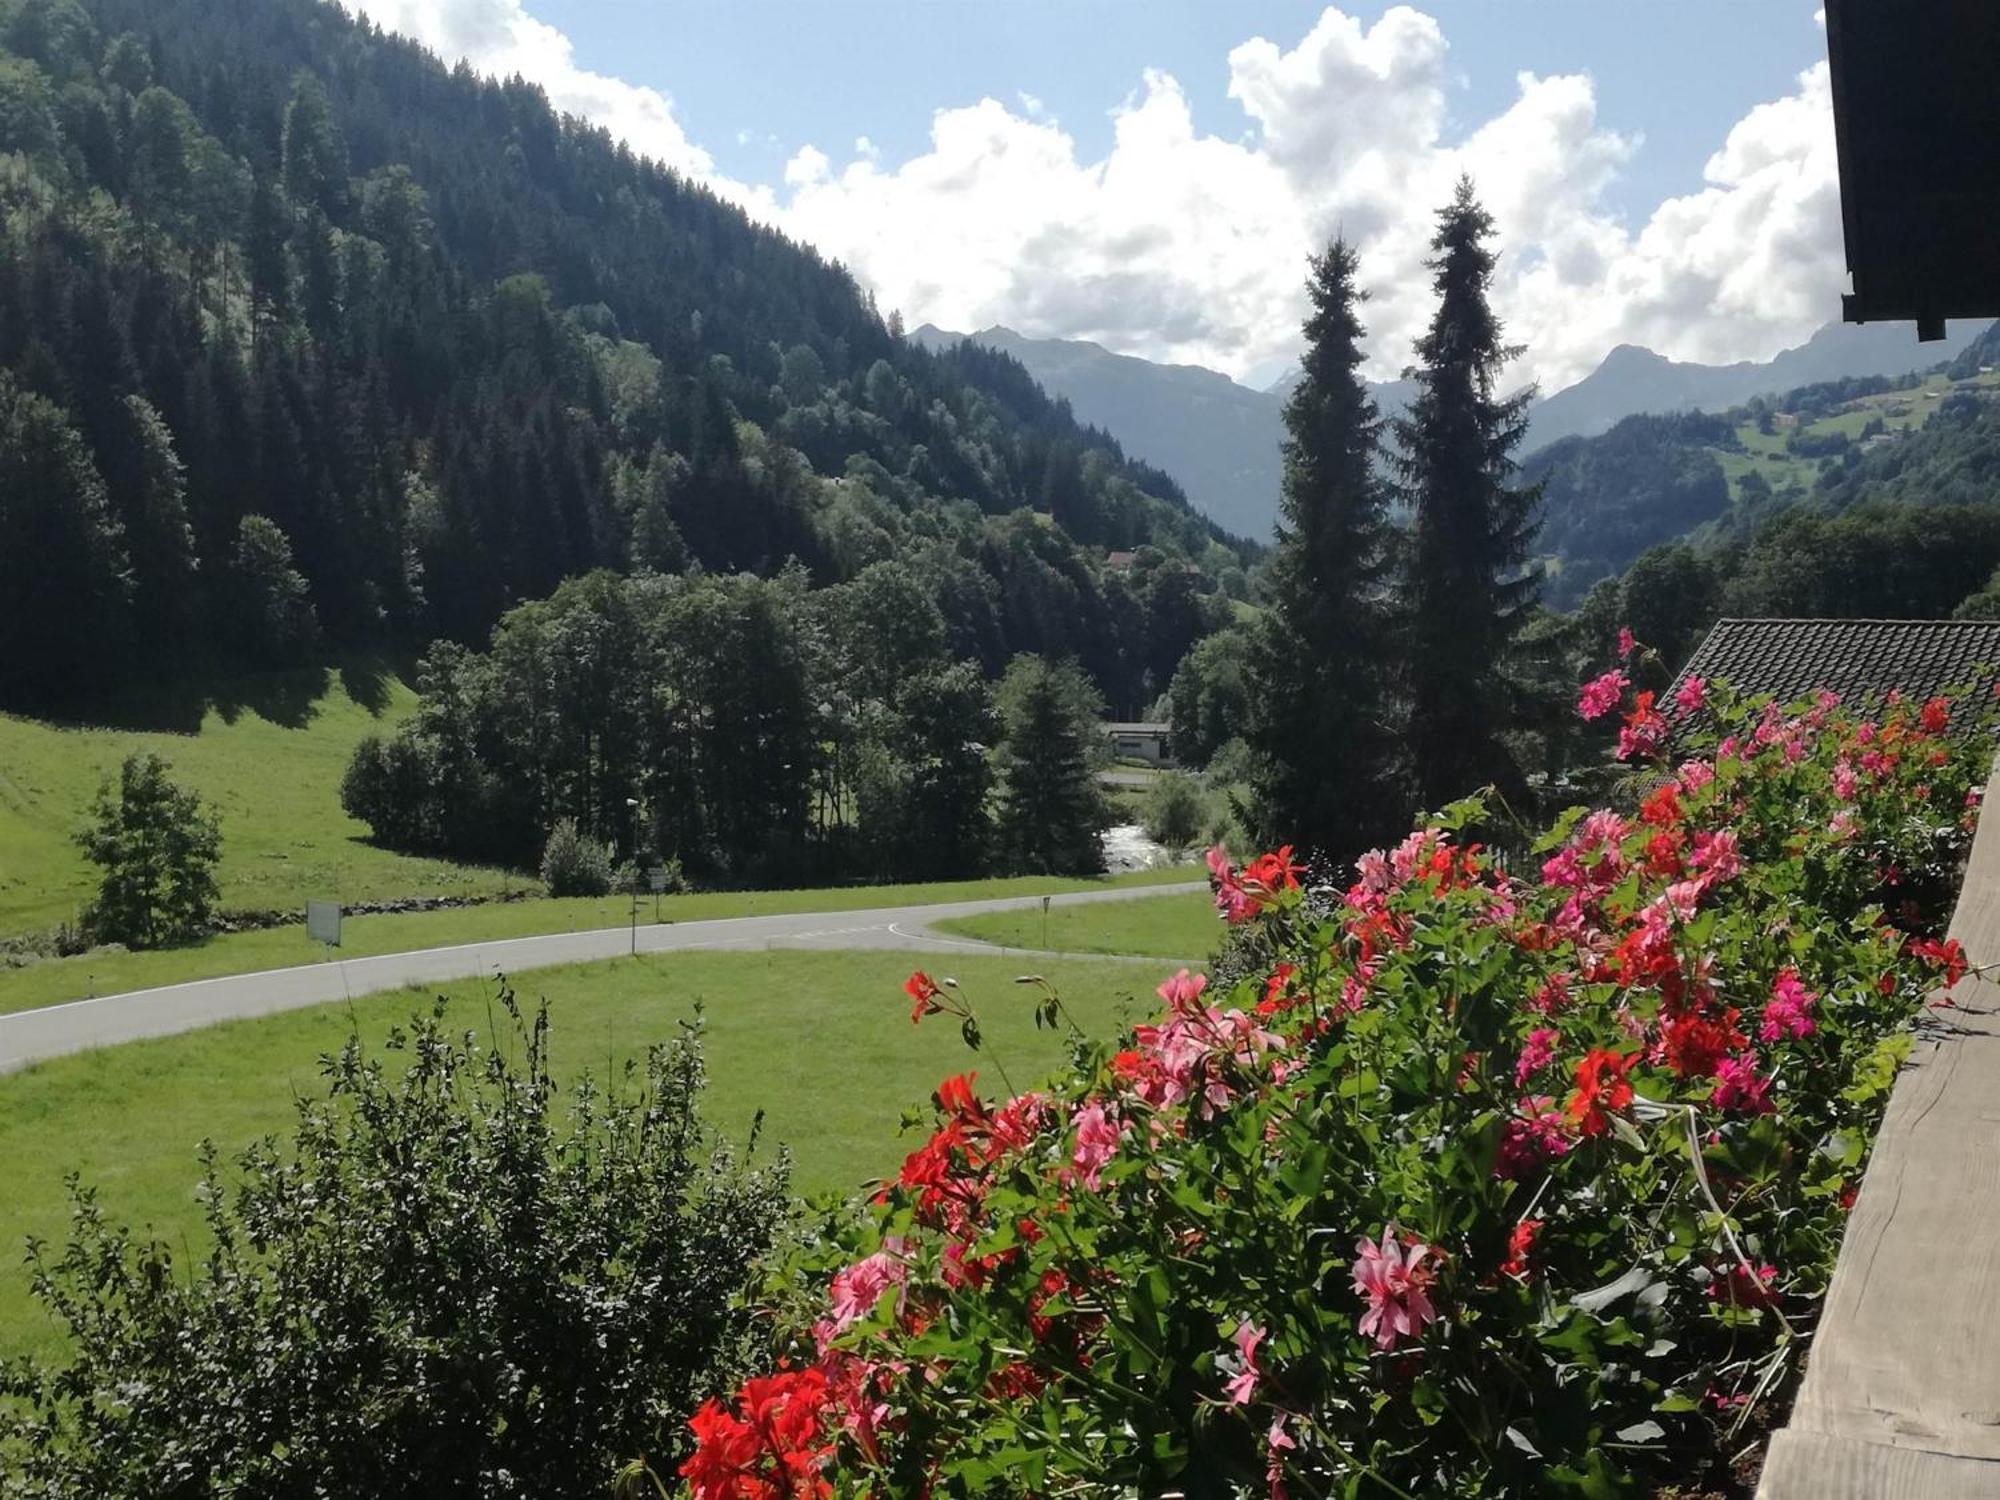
pixel 921 988
pixel 1601 1090
pixel 1519 1243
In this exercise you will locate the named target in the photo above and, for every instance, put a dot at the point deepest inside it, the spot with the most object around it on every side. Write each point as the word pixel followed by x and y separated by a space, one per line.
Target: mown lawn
pixel 821 1042
pixel 53 981
pixel 267 752
pixel 1183 927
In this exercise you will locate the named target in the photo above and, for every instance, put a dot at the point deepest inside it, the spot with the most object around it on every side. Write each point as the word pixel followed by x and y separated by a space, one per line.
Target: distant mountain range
pixel 1633 379
pixel 1220 439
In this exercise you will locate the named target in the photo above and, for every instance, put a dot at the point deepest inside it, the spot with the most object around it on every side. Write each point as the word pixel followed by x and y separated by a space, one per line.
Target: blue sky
pixel 1153 176
pixel 784 75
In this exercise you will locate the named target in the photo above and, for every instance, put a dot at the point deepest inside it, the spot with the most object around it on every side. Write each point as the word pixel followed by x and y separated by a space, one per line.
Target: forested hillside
pixel 1721 479
pixel 306 340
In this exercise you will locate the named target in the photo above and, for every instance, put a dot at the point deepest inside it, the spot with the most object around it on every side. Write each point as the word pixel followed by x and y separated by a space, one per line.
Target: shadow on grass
pixel 289 698
pixel 367 683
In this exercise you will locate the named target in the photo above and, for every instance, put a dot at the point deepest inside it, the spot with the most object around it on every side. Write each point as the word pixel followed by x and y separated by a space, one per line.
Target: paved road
pixel 30 1035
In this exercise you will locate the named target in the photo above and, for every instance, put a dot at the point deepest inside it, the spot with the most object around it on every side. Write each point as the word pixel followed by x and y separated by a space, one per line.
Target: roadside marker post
pixel 323 923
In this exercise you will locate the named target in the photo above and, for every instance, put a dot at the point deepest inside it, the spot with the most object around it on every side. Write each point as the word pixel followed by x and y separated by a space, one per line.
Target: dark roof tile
pixel 1859 659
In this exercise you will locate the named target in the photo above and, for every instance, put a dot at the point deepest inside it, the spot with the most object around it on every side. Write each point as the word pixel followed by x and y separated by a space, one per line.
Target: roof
pixel 1138 729
pixel 1859 659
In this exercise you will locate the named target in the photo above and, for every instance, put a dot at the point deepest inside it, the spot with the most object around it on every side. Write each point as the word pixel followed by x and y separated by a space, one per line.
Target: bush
pixel 1485 1184
pixel 575 865
pixel 459 1284
pixel 1176 812
pixel 158 848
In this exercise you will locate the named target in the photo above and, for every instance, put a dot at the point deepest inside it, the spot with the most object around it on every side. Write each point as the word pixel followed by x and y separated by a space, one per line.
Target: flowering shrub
pixel 1511 1177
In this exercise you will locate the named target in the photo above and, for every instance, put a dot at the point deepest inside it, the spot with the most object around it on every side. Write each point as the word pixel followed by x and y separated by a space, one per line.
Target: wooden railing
pixel 1901 1396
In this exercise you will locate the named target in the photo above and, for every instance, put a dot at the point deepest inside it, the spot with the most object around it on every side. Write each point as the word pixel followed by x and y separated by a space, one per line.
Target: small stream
pixel 1126 847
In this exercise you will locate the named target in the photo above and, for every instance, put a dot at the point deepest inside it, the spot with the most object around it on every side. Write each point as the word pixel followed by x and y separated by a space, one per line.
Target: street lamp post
pixel 633 803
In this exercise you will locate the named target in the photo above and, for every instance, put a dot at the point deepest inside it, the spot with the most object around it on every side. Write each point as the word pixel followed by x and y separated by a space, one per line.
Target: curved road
pixel 31 1035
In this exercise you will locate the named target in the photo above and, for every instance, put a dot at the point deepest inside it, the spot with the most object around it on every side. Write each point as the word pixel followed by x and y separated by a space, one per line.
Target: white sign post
pixel 323 922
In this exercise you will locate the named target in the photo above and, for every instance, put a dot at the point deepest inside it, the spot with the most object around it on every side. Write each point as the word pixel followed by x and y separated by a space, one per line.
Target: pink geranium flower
pixel 1601 695
pixel 1097 1137
pixel 857 1289
pixel 1626 645
pixel 1395 1280
pixel 1789 1011
pixel 1243 1385
pixel 1691 695
pixel 1536 1053
pixel 1739 1087
pixel 1183 991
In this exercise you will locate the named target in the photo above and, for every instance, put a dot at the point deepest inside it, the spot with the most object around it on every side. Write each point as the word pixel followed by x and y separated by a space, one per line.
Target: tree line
pixel 746 729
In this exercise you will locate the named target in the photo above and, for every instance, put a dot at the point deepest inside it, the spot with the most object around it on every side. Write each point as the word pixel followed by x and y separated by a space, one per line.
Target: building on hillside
pixel 1862 660
pixel 1120 562
pixel 1151 743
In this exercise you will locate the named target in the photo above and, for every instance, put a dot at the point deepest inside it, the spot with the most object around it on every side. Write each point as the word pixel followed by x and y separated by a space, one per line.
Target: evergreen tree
pixel 1320 702
pixel 315 155
pixel 1052 815
pixel 269 604
pixel 65 582
pixel 1470 586
pixel 148 488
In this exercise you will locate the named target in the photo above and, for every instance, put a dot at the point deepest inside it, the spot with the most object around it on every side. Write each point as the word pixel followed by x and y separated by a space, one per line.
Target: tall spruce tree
pixel 1470 588
pixel 1320 718
pixel 1052 816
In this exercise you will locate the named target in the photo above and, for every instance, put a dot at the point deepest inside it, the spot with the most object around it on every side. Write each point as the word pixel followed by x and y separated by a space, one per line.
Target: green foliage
pixel 767 731
pixel 1210 696
pixel 574 864
pixel 1052 815
pixel 461 1281
pixel 158 847
pixel 1177 812
pixel 1485 1182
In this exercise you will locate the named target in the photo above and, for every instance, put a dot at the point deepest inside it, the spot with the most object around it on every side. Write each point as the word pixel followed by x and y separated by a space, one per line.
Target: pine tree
pixel 1052 815
pixel 1320 718
pixel 1470 586
pixel 65 578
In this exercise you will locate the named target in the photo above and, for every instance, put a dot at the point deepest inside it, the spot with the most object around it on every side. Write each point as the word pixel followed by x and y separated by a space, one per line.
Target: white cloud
pixel 1180 245
pixel 1184 246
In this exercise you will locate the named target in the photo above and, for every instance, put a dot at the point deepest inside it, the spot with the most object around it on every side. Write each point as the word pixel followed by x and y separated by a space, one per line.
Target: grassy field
pixel 821 1042
pixel 1183 927
pixel 52 981
pixel 267 752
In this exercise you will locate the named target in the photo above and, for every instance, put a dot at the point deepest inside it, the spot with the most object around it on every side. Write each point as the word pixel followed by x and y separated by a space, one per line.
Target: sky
pixel 1153 174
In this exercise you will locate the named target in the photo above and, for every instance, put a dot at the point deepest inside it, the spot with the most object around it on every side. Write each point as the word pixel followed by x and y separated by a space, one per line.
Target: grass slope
pixel 267 752
pixel 1901 413
pixel 822 1043
pixel 1182 926
pixel 53 981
